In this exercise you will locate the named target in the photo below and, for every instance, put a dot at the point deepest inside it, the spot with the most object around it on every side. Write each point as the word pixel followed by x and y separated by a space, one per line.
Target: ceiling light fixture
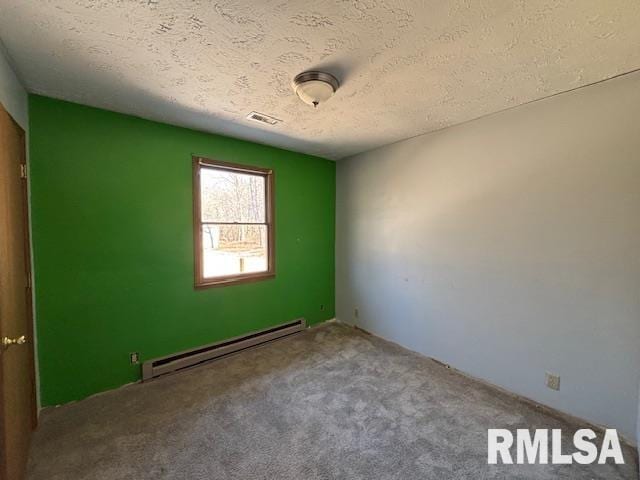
pixel 315 88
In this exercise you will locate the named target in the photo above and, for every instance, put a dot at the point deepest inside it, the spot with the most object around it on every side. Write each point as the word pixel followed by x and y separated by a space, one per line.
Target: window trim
pixel 203 282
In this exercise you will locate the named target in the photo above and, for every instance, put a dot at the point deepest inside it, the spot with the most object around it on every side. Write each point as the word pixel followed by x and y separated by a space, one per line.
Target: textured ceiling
pixel 406 66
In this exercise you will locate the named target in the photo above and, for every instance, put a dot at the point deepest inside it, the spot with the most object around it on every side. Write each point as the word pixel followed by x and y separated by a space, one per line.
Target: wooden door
pixel 17 378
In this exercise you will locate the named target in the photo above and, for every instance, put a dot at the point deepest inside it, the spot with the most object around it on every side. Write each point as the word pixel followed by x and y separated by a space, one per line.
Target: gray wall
pixel 507 247
pixel 12 95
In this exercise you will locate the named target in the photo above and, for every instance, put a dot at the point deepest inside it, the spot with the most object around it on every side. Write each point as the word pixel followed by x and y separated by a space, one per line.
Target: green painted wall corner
pixel 111 200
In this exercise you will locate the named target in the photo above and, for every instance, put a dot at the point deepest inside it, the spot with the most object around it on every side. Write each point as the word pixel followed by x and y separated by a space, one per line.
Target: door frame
pixel 22 171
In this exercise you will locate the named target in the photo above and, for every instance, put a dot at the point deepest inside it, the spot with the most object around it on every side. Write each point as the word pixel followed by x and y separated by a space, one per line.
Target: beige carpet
pixel 329 403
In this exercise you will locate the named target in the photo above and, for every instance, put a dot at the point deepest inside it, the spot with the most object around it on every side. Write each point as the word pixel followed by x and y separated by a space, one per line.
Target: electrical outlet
pixel 356 313
pixel 134 358
pixel 552 381
pixel 322 308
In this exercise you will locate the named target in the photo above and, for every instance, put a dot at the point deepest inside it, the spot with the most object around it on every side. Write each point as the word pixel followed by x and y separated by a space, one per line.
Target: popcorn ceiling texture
pixel 407 66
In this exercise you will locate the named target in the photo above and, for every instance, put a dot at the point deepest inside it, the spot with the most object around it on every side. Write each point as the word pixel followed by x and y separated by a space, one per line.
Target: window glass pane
pixel 234 249
pixel 232 197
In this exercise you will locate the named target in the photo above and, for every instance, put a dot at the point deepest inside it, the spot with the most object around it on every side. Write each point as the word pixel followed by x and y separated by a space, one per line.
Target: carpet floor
pixel 329 403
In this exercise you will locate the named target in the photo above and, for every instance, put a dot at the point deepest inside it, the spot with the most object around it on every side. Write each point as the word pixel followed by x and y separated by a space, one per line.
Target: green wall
pixel 111 200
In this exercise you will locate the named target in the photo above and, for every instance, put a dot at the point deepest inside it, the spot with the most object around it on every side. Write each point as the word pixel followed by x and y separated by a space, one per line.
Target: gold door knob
pixel 7 342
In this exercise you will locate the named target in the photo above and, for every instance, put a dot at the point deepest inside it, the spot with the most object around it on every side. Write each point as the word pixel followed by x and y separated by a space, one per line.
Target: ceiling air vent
pixel 262 118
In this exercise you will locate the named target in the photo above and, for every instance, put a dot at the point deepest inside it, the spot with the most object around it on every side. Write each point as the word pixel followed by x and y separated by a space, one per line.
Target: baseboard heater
pixel 189 358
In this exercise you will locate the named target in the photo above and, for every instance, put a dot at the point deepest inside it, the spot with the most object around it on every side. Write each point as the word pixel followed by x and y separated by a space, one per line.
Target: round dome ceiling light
pixel 315 88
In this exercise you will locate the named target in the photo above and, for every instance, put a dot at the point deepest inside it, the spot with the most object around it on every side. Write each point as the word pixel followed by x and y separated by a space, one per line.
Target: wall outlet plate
pixel 134 358
pixel 552 381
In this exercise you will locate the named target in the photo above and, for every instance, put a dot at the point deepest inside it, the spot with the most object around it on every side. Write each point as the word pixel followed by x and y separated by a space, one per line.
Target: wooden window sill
pixel 233 280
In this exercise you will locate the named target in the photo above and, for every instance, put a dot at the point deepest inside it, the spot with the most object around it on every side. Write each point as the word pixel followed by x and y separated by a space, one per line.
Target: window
pixel 233 223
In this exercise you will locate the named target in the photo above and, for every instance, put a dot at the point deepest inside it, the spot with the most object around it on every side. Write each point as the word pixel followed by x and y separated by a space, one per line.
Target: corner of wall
pixel 13 95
